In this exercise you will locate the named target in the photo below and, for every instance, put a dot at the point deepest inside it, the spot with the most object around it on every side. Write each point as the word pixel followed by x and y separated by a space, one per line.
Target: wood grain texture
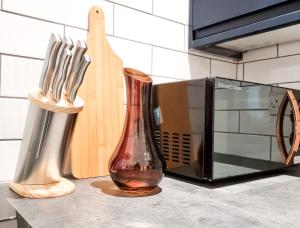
pixel 64 187
pixel 99 125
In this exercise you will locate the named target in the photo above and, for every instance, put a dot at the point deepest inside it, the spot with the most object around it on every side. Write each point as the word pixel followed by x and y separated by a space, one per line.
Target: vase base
pixel 136 189
pixel 137 180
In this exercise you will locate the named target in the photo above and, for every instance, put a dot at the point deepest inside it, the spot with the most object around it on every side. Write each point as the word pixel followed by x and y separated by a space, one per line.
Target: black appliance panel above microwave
pixel 215 21
pixel 215 128
pixel 230 9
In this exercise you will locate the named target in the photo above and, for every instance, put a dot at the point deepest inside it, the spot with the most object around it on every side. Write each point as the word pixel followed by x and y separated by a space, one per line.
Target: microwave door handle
pixel 288 157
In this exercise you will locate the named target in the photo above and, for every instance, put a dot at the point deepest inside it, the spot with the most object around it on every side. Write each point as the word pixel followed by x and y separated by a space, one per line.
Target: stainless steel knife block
pixel 46 135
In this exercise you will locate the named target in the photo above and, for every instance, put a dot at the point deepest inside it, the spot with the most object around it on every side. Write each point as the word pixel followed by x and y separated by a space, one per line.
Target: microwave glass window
pixel 245 128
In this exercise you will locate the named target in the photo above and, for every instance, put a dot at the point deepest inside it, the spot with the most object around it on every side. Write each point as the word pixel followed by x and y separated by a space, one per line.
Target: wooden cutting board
pixel 100 123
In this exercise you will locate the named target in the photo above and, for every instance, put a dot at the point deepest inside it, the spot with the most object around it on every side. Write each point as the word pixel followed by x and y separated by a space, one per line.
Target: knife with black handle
pixel 49 62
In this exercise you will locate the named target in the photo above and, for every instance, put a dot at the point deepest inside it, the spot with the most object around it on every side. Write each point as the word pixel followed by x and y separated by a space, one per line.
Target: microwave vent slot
pixel 174 146
pixel 165 145
pixel 186 149
pixel 157 138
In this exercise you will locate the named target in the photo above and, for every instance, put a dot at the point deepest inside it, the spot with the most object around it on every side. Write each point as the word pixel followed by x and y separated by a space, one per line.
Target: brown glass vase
pixel 137 164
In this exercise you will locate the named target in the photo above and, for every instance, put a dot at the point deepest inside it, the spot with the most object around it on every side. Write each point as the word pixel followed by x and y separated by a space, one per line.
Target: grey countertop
pixel 265 202
pixel 7 213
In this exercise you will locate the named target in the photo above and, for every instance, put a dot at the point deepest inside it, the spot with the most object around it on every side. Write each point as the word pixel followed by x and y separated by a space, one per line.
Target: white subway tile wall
pixel 9 151
pixel 19 75
pixel 25 36
pixel 161 80
pixel 277 64
pixel 292 85
pixel 146 28
pixel 240 71
pixel 186 38
pixel 176 10
pixel 144 5
pixel 292 48
pixel 277 70
pixel 261 53
pixel 134 55
pixel 67 12
pixel 175 64
pixel 76 33
pixel 12 118
pixel 146 34
pixel 223 69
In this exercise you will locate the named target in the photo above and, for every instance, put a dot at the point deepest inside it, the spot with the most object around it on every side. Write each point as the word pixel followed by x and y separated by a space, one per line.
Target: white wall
pixel 146 34
pixel 279 64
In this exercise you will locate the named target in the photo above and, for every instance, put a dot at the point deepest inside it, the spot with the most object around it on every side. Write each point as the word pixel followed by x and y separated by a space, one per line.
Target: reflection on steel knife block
pixel 216 128
pixel 50 120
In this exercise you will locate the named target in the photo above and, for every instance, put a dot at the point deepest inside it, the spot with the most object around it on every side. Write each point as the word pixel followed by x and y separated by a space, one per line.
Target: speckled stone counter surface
pixel 7 213
pixel 266 202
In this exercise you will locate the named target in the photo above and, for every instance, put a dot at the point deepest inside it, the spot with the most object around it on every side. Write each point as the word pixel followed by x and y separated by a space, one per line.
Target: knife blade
pixel 49 62
pixel 67 43
pixel 79 76
pixel 77 52
pixel 62 70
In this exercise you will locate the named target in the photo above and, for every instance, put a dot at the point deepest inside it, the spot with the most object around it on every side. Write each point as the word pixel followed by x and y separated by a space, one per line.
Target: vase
pixel 136 164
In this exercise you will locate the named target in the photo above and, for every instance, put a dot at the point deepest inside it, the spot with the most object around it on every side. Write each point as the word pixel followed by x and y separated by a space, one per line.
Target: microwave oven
pixel 216 128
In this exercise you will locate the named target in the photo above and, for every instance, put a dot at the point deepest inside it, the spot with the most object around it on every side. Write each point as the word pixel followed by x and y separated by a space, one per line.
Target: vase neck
pixel 138 91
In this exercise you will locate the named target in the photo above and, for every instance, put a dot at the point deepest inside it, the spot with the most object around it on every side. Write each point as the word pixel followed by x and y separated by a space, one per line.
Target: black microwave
pixel 216 128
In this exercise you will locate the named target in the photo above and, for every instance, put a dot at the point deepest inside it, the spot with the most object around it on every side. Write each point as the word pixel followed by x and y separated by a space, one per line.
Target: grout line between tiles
pixel 184 38
pixel 0 74
pixel 64 30
pixel 58 23
pixel 152 7
pixel 10 218
pixel 21 56
pixel 243 109
pixel 270 148
pixel 277 50
pixel 290 82
pixel 210 68
pixel 167 77
pixel 37 18
pixel 12 139
pixel 239 126
pixel 243 133
pixel 170 49
pixel 114 3
pixel 145 12
pixel 151 60
pixel 243 71
pixel 113 19
pixel 13 97
pixel 279 57
pixel 236 71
